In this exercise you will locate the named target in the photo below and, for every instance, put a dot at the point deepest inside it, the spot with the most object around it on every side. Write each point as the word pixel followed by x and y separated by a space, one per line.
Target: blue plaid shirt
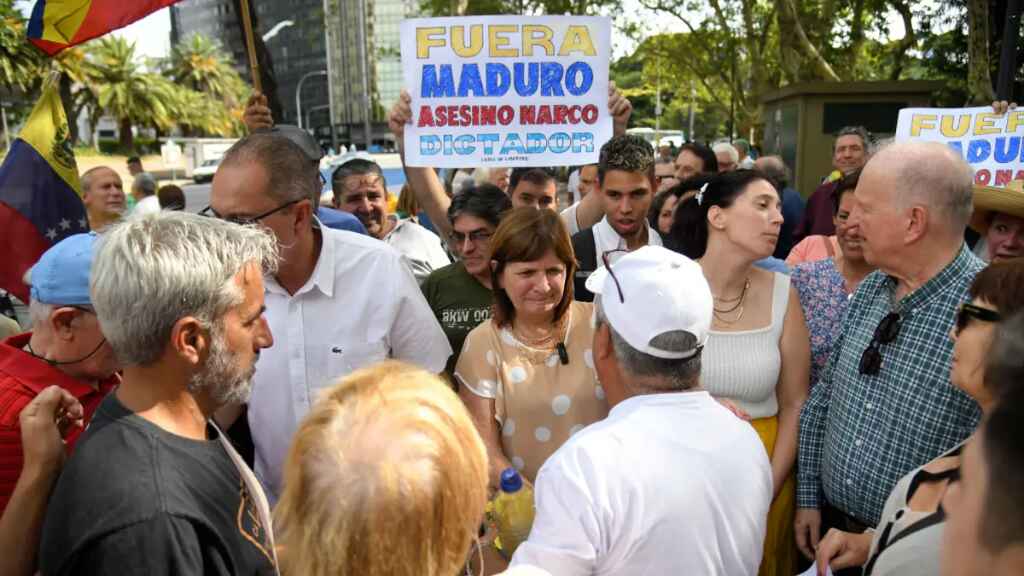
pixel 860 434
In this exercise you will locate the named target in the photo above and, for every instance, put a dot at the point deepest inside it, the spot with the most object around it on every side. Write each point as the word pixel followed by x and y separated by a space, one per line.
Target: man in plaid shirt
pixel 885 404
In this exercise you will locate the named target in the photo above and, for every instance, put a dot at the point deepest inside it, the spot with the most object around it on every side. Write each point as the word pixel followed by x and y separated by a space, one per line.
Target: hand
pixel 1002 106
pixel 731 407
pixel 621 109
pixel 840 549
pixel 257 113
pixel 44 422
pixel 400 115
pixel 807 526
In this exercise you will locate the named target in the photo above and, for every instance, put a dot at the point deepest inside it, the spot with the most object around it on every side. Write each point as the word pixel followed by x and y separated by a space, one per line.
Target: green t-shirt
pixel 460 303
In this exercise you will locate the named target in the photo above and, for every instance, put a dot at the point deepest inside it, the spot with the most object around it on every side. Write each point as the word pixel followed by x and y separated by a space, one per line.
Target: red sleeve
pixel 12 401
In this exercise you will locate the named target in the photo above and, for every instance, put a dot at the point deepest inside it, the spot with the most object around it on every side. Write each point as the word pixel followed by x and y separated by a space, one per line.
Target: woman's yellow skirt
pixel 779 544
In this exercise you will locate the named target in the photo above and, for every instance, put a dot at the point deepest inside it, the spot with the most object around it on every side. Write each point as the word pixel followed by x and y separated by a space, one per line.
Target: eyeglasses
pixel 476 237
pixel 966 312
pixel 886 332
pixel 245 220
pixel 606 259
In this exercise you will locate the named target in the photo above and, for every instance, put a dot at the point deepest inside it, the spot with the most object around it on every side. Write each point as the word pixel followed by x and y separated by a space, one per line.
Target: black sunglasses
pixel 966 311
pixel 886 332
pixel 245 220
pixel 605 258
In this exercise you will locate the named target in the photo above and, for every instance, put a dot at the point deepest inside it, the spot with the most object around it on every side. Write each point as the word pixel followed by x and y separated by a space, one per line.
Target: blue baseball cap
pixel 61 276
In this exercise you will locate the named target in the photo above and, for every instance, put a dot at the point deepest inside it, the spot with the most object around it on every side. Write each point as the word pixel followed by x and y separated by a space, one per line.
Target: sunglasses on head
pixel 885 333
pixel 967 312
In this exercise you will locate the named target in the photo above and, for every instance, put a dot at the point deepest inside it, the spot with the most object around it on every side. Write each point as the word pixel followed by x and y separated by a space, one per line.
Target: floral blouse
pixel 823 297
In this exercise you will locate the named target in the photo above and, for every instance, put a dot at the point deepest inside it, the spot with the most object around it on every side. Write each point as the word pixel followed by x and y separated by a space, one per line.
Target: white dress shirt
pixel 667 484
pixel 607 239
pixel 421 247
pixel 360 306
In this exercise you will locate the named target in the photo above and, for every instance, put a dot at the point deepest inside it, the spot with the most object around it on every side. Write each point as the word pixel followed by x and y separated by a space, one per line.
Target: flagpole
pixel 250 46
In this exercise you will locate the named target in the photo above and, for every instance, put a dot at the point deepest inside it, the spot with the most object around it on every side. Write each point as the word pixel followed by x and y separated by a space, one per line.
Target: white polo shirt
pixel 667 484
pixel 360 306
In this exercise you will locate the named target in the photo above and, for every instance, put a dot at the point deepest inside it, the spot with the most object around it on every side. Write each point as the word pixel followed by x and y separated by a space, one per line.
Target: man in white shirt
pixel 144 192
pixel 625 186
pixel 339 301
pixel 670 482
pixel 359 188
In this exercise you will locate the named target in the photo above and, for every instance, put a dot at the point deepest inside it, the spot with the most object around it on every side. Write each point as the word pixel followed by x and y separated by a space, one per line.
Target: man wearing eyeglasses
pixel 625 186
pixel 65 347
pixel 359 189
pixel 884 404
pixel 671 482
pixel 338 302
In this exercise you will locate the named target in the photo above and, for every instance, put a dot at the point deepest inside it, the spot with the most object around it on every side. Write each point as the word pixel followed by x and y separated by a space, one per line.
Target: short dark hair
pixel 707 155
pixel 628 153
pixel 865 136
pixel 134 160
pixel 171 197
pixel 1002 443
pixel 526 234
pixel 538 176
pixel 355 167
pixel 689 234
pixel 291 176
pixel 1001 284
pixel 846 184
pixel 486 202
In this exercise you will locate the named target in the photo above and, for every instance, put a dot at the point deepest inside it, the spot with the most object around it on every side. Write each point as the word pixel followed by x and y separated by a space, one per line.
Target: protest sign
pixel 506 90
pixel 989 142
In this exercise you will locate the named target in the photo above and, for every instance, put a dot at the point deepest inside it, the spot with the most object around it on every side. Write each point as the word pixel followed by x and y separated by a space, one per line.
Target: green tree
pixel 19 61
pixel 211 94
pixel 123 90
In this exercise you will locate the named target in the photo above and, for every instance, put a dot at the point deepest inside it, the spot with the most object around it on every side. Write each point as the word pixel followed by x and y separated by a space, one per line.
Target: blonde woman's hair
pixel 386 475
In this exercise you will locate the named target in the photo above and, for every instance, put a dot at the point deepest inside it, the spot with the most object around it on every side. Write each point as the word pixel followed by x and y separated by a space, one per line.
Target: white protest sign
pixel 506 90
pixel 989 142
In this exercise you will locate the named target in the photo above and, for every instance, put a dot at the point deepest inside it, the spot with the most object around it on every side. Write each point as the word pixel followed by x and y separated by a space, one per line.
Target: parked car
pixel 205 171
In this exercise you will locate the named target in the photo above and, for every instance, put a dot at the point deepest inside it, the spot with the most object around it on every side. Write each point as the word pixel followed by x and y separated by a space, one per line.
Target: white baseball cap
pixel 662 291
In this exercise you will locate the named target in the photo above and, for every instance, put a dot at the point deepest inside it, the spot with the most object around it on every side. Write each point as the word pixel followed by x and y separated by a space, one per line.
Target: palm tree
pixel 199 64
pixel 19 60
pixel 124 91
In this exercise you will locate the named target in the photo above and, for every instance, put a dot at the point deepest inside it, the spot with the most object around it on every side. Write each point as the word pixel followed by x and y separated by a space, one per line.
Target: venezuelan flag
pixel 40 197
pixel 57 24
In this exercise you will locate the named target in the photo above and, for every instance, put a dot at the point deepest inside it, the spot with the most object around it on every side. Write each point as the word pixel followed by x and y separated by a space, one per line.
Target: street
pixel 197 196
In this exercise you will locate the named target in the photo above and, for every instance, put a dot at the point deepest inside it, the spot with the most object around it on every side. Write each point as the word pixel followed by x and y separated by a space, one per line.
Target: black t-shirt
pixel 136 499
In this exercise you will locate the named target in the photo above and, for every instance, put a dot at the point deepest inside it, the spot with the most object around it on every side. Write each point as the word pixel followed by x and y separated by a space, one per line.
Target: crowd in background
pixel 696 371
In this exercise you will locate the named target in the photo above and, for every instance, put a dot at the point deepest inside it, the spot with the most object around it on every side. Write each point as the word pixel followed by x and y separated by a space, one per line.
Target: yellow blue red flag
pixel 40 197
pixel 57 24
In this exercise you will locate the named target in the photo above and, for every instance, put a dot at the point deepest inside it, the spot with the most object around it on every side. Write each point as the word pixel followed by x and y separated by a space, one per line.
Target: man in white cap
pixel 671 482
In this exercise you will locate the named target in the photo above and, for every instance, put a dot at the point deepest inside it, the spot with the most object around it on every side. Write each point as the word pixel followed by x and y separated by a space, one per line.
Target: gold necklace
pixel 718 312
pixel 537 349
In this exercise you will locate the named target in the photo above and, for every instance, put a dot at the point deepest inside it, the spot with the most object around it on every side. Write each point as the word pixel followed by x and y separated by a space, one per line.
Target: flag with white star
pixel 40 197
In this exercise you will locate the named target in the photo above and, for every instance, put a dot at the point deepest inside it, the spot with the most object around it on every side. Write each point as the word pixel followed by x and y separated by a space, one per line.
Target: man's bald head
pixel 773 167
pixel 929 174
pixel 90 176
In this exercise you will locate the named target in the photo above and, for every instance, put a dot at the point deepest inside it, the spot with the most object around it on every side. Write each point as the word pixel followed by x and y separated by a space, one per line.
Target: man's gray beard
pixel 221 377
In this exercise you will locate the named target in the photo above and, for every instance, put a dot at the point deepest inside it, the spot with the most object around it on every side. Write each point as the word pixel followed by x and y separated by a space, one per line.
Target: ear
pixel 60 322
pixel 303 213
pixel 717 217
pixel 190 341
pixel 916 224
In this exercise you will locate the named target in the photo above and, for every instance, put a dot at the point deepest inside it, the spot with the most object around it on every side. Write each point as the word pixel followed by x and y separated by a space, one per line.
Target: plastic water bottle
pixel 513 511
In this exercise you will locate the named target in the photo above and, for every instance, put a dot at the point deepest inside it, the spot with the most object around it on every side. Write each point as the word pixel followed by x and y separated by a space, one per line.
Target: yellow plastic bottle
pixel 513 511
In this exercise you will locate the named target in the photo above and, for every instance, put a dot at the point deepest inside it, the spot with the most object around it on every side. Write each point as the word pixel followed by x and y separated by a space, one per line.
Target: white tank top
pixel 744 366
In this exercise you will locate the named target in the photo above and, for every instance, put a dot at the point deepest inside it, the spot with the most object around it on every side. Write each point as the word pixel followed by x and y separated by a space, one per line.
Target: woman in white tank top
pixel 758 353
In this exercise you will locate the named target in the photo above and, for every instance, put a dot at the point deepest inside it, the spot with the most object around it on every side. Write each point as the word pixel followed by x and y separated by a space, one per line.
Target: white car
pixel 205 171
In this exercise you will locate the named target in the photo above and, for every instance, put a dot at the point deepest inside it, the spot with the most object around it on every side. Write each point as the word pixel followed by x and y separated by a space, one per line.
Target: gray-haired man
pixel 671 482
pixel 153 487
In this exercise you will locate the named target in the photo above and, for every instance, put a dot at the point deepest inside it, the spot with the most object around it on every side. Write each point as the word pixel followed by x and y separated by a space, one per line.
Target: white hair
pixel 39 313
pixel 149 273
pixel 728 149
pixel 931 174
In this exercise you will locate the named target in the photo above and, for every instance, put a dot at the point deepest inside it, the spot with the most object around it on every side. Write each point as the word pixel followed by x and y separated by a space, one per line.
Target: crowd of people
pixel 696 372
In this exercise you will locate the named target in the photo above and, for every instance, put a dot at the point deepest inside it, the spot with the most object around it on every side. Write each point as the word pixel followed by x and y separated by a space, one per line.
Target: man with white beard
pixel 154 487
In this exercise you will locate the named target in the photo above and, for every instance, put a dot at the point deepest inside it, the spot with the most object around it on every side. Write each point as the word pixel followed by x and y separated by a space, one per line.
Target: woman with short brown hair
pixel 527 375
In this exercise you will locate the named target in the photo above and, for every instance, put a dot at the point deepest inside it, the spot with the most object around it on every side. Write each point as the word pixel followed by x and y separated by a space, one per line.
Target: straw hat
pixel 989 199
